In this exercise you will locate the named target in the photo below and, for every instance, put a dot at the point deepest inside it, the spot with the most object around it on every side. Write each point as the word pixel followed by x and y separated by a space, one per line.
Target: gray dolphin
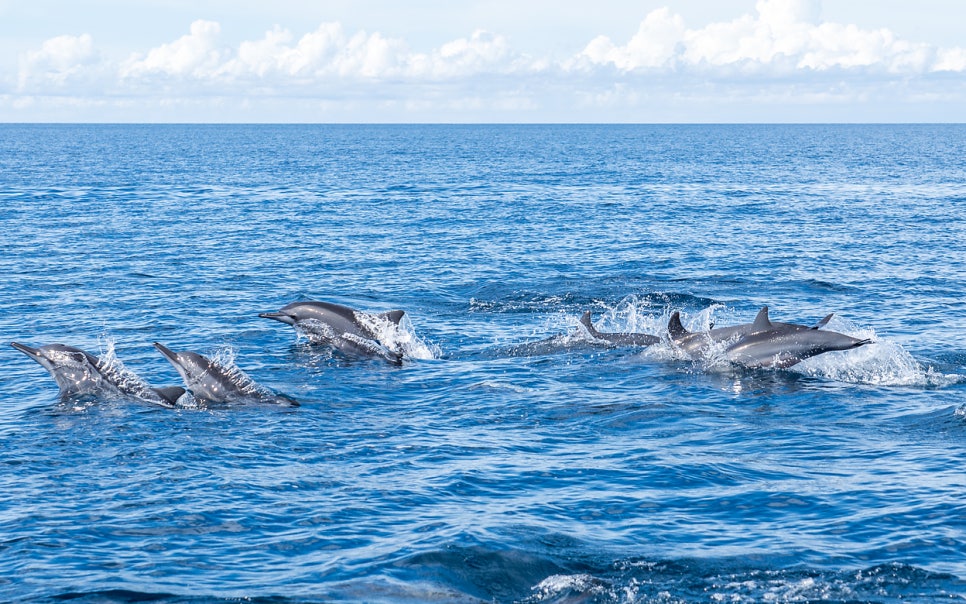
pixel 79 373
pixel 350 331
pixel 762 343
pixel 209 382
pixel 618 339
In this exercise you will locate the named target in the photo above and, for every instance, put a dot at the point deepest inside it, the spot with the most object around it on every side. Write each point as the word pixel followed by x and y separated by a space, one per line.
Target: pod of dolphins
pixel 759 344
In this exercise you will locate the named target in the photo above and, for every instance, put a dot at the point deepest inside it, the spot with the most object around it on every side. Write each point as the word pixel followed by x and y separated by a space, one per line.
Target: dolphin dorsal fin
pixel 761 321
pixel 586 322
pixel 674 326
pixel 393 316
pixel 824 321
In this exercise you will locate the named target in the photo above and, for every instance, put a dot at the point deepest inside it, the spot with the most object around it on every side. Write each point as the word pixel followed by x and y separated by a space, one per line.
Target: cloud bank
pixel 780 54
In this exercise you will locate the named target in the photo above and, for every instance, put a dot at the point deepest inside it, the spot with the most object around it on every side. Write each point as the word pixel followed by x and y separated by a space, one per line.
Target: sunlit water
pixel 509 458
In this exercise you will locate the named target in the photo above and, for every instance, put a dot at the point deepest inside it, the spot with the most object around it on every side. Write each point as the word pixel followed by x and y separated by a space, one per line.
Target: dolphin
pixel 211 383
pixel 618 339
pixel 80 373
pixel 762 343
pixel 350 331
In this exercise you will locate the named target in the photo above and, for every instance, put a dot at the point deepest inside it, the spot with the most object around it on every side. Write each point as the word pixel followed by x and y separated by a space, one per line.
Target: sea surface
pixel 510 458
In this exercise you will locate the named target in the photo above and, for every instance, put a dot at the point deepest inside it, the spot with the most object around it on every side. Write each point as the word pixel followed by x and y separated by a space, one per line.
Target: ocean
pixel 509 458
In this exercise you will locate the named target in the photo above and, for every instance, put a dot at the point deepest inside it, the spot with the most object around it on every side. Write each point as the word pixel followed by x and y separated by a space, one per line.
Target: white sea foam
pixel 555 585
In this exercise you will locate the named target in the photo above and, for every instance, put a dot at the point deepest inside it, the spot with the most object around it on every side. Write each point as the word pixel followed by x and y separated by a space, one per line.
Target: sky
pixel 383 61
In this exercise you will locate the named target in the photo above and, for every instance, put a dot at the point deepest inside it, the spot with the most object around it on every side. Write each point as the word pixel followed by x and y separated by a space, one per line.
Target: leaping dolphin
pixel 618 339
pixel 762 343
pixel 80 373
pixel 211 383
pixel 350 331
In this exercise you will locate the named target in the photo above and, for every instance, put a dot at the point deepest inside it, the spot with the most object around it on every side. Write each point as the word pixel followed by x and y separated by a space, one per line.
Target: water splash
pixel 224 358
pixel 399 338
pixel 127 381
pixel 882 363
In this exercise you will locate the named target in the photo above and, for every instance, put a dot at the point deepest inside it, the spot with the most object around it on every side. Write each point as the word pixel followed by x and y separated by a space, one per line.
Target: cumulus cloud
pixel 783 36
pixel 951 59
pixel 61 61
pixel 654 45
pixel 330 52
pixel 195 54
pixel 782 49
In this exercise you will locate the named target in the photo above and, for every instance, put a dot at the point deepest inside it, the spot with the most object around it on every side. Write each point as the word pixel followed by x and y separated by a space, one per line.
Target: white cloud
pixel 951 59
pixel 195 55
pixel 480 53
pixel 59 62
pixel 782 36
pixel 779 51
pixel 654 45
pixel 329 52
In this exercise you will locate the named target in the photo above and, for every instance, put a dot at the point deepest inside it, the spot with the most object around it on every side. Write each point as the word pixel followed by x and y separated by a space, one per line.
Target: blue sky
pixel 483 61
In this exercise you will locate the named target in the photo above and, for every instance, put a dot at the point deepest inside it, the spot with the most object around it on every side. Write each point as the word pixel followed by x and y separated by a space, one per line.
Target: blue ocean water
pixel 506 459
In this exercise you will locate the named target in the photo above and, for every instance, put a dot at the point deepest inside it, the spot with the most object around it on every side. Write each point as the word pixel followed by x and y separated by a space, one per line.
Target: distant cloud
pixel 326 52
pixel 783 36
pixel 654 46
pixel 782 46
pixel 195 55
pixel 61 62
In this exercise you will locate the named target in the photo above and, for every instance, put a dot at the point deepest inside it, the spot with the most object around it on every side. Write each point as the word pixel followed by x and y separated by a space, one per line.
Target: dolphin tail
pixel 674 326
pixel 586 322
pixel 170 394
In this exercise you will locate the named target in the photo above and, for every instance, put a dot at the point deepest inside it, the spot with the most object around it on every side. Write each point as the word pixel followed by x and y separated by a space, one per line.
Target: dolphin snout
pixel 279 316
pixel 27 350
pixel 167 352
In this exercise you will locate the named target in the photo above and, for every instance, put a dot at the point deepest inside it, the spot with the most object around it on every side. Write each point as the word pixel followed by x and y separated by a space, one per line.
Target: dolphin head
pixel 75 371
pixel 202 377
pixel 341 317
pixel 188 364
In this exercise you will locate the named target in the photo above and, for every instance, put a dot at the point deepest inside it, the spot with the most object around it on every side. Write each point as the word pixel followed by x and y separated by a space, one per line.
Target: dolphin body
pixel 350 331
pixel 79 373
pixel 762 343
pixel 618 339
pixel 210 383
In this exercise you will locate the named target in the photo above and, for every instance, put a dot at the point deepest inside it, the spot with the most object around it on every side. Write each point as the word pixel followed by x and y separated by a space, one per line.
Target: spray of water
pixel 111 367
pixel 224 358
pixel 398 338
